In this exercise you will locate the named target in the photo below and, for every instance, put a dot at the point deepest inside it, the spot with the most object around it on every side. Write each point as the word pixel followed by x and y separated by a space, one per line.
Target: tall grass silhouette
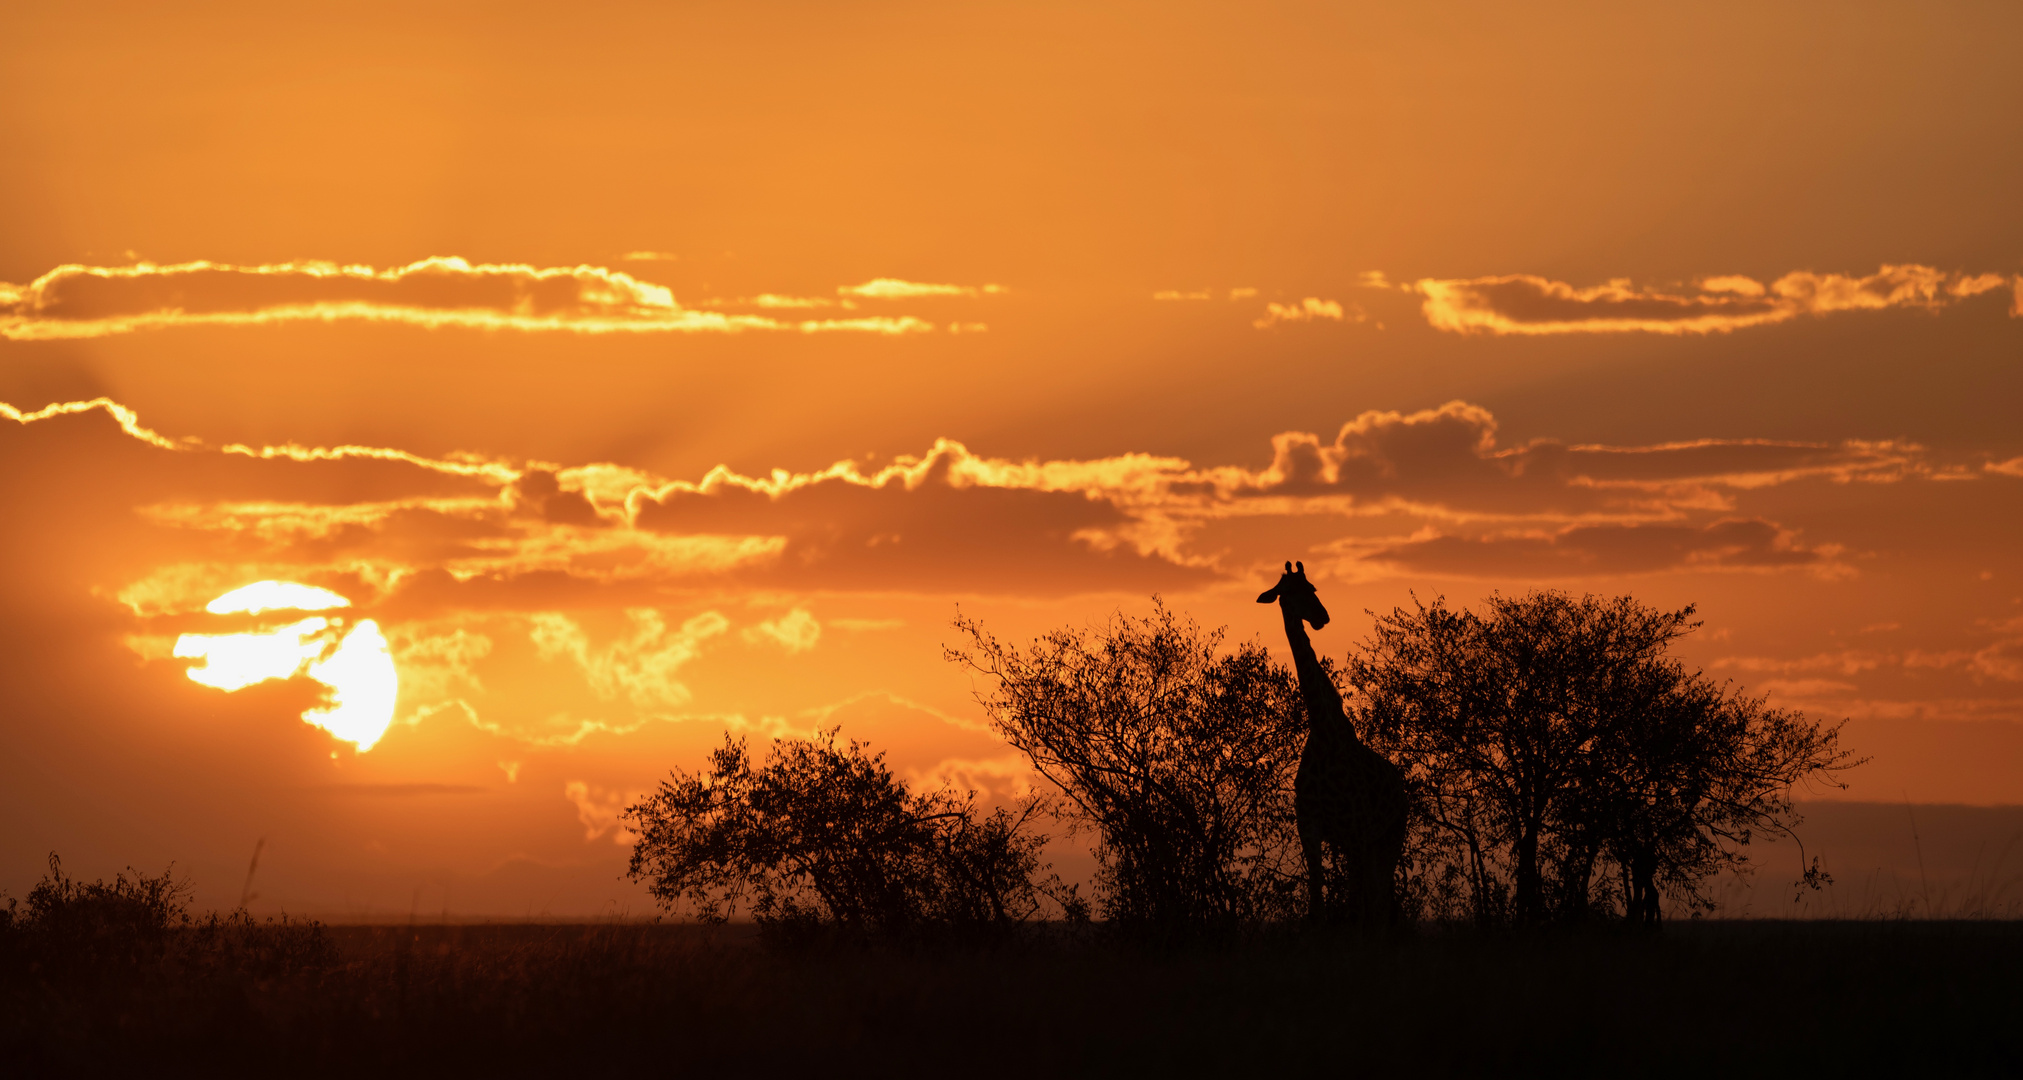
pixel 230 994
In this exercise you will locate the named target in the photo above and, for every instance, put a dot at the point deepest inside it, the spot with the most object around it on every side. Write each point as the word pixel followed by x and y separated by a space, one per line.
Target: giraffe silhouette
pixel 1349 799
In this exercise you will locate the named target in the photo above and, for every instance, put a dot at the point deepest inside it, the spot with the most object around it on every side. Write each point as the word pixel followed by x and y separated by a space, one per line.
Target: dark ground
pixel 1698 999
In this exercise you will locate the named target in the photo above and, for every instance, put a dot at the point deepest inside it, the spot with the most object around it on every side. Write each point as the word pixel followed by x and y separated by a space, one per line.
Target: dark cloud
pixel 1585 550
pixel 120 511
pixel 930 532
pixel 1529 304
pixel 1446 461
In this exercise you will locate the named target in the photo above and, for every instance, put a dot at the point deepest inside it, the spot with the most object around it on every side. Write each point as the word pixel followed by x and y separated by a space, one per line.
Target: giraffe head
pixel 1295 595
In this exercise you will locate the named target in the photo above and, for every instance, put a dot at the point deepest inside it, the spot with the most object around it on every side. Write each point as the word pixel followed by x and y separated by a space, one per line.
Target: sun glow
pixel 355 663
pixel 275 596
pixel 236 661
pixel 361 677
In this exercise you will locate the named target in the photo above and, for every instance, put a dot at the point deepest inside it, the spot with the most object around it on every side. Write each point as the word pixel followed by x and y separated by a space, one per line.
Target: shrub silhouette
pixel 98 964
pixel 1564 767
pixel 72 927
pixel 826 836
pixel 138 926
pixel 1180 759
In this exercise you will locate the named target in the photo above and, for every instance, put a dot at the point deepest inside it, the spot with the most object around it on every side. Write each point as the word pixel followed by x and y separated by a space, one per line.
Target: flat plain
pixel 1698 998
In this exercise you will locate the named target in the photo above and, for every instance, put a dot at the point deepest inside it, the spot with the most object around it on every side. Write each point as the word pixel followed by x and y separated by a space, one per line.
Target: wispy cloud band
pixel 76 301
pixel 1529 304
pixel 901 289
pixel 1429 492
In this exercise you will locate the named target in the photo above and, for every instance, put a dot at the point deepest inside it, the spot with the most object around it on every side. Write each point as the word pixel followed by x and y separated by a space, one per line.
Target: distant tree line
pixel 1561 767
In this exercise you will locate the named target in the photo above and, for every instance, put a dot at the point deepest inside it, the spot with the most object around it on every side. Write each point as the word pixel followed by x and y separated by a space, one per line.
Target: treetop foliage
pixel 1180 757
pixel 1563 765
pixel 825 835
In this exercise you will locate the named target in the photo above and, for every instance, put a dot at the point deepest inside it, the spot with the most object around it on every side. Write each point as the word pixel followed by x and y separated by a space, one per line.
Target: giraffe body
pixel 1349 800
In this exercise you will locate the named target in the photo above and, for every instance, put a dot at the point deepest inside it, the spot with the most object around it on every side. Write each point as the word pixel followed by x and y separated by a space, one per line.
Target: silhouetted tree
pixel 826 835
pixel 1687 780
pixel 1549 740
pixel 1180 758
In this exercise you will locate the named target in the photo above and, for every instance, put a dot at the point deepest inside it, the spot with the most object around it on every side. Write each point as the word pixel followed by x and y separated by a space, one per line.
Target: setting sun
pixel 264 596
pixel 353 663
pixel 818 465
pixel 424 428
pixel 363 686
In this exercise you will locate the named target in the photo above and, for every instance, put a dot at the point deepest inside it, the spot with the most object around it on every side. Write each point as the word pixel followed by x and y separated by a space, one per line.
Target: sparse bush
pixel 136 926
pixel 112 965
pixel 77 927
pixel 1181 759
pixel 826 836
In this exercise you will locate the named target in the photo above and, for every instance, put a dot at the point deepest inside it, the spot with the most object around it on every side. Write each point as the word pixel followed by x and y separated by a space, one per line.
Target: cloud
pixel 128 420
pixel 948 520
pixel 649 256
pixel 598 809
pixel 948 750
pixel 1529 304
pixel 174 524
pixel 436 660
pixel 1843 662
pixel 1001 778
pixel 1738 463
pixel 1585 550
pixel 76 301
pixel 1241 292
pixel 640 667
pixel 1311 309
pixel 1445 462
pixel 898 289
pixel 775 300
pixel 796 631
pixel 2001 660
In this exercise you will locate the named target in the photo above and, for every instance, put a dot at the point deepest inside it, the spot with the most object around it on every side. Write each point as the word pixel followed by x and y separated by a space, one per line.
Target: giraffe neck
pixel 1323 701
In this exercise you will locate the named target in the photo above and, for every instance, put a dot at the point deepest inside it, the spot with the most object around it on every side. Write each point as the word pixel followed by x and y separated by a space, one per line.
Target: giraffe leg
pixel 1387 876
pixel 1310 846
pixel 1357 909
pixel 1366 893
pixel 1380 893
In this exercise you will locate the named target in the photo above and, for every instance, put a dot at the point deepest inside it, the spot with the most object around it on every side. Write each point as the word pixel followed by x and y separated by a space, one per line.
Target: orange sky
pixel 639 372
